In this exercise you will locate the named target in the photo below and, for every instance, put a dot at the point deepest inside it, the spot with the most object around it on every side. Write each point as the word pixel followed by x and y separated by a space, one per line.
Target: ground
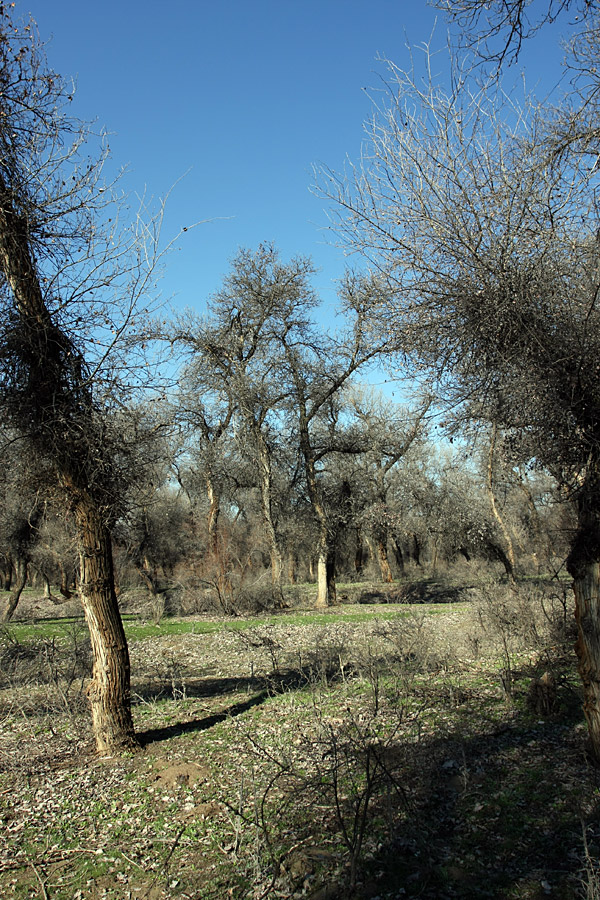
pixel 384 750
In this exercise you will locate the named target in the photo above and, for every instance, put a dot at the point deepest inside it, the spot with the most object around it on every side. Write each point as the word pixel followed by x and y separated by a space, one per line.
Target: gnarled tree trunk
pixel 109 689
pixel 381 538
pixel 57 405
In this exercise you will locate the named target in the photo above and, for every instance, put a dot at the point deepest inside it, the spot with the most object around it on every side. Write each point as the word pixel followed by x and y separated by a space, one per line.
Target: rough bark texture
pixel 109 689
pixel 584 566
pixel 398 555
pixel 214 509
pixel 359 552
pixel 57 408
pixel 382 556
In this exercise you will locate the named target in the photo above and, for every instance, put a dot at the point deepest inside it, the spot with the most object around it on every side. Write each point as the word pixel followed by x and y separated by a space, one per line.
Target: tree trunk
pixel 64 587
pixel 359 553
pixel 510 553
pixel 583 565
pixel 109 690
pixel 7 574
pixel 214 509
pixel 416 551
pixel 321 600
pixel 266 487
pixel 330 576
pixel 382 555
pixel 58 396
pixel 21 566
pixel 291 567
pixel 398 555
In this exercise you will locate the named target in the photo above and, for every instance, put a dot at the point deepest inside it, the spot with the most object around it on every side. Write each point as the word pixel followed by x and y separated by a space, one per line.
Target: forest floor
pixel 380 750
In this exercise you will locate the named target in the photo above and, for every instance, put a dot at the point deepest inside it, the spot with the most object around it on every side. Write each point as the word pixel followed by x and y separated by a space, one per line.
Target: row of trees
pixel 480 215
pixel 479 218
pixel 397 504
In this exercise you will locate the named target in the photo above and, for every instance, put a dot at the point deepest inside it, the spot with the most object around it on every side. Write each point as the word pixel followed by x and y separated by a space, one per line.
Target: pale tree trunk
pixel 109 690
pixel 21 566
pixel 214 509
pixel 326 591
pixel 321 601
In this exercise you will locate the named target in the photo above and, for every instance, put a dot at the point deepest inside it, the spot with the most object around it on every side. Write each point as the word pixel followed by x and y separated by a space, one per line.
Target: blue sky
pixel 232 103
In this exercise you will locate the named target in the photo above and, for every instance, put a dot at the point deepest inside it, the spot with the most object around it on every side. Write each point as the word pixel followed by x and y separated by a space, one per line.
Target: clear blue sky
pixel 238 99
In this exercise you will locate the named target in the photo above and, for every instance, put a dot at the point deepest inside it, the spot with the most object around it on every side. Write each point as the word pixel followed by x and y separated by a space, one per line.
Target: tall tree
pixel 390 432
pixel 482 216
pixel 71 281
pixel 317 367
pixel 235 351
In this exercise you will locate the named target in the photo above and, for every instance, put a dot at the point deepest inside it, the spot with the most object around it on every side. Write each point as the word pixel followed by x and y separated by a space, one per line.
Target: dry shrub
pixel 47 673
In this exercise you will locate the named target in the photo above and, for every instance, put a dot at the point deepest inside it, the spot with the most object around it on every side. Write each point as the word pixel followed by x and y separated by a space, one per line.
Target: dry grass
pixel 379 751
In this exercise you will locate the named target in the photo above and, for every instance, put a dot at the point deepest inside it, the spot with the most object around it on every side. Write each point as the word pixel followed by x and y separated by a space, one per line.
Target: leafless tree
pixel 74 275
pixel 484 233
pixel 317 368
pixel 234 359
pixel 497 29
pixel 389 432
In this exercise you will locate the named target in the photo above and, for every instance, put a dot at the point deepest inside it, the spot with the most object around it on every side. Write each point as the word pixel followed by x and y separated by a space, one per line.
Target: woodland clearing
pixel 388 750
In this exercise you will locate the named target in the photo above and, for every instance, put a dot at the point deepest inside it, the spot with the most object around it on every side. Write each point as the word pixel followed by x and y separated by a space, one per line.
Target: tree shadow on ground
pixel 152 735
pixel 262 688
pixel 499 815
pixel 288 679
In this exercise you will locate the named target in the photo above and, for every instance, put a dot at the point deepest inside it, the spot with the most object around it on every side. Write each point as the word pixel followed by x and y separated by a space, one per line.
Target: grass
pixel 137 630
pixel 301 754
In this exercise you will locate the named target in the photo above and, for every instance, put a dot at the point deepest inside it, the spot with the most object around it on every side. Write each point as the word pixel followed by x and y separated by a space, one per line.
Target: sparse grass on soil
pixel 380 750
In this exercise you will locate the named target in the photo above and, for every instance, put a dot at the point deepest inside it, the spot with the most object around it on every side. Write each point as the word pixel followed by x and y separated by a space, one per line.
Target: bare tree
pixel 235 358
pixel 21 513
pixel 497 30
pixel 317 368
pixel 390 432
pixel 485 238
pixel 73 276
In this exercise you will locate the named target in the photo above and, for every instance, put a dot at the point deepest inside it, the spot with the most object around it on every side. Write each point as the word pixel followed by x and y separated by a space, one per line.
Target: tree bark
pixel 214 509
pixel 266 487
pixel 322 580
pixel 509 556
pixel 21 567
pixel 109 690
pixel 7 574
pixel 382 555
pixel 398 555
pixel 583 565
pixel 359 552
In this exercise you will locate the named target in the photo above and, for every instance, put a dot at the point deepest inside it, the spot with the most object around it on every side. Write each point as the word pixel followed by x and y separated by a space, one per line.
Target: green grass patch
pixel 137 630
